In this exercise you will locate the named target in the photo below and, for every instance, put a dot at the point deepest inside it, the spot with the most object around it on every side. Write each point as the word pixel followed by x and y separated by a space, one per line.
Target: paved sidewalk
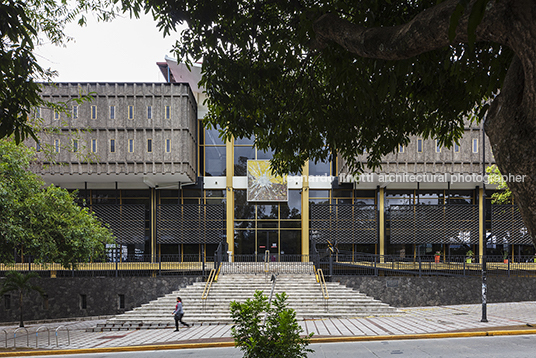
pixel 417 320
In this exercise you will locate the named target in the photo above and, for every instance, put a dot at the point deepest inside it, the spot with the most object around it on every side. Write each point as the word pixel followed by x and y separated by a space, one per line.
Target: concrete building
pixel 140 158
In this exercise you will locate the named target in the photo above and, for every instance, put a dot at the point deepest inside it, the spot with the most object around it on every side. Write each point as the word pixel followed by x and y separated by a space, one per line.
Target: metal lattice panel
pixel 344 223
pixel 507 226
pixel 434 224
pixel 127 222
pixel 190 224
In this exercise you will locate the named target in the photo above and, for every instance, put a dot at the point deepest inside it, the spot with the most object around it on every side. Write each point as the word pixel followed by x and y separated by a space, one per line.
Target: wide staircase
pixel 304 296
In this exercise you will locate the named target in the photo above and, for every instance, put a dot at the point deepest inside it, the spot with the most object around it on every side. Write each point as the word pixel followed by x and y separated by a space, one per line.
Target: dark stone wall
pixel 102 296
pixel 439 291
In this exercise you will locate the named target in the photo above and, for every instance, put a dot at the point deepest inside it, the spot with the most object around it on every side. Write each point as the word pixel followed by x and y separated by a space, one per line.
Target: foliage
pixel 504 196
pixel 264 78
pixel 20 283
pixel 22 26
pixel 278 338
pixel 45 223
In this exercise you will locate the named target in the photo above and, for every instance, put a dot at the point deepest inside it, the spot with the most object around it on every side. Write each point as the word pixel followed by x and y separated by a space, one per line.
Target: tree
pixel 22 26
pixel 504 195
pixel 44 223
pixel 279 337
pixel 20 283
pixel 311 79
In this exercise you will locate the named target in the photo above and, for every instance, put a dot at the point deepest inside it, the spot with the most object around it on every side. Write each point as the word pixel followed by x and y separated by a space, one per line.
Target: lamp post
pixel 484 238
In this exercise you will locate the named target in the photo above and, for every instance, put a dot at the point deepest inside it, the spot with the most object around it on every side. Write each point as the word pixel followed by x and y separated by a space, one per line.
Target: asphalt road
pixel 481 347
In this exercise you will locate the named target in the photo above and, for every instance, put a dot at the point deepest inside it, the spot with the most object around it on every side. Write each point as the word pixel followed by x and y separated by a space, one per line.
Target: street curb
pixel 231 344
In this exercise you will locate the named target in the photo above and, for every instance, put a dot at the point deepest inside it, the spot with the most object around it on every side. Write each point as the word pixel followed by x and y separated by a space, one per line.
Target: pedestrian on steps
pixel 178 313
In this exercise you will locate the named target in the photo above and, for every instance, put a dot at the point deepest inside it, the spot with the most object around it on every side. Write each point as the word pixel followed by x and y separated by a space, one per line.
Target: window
pixel 112 145
pixel 56 115
pixel 149 145
pixel 112 112
pixel 475 145
pixel 401 149
pixel 45 302
pixel 168 112
pixel 7 302
pixel 419 145
pixel 93 112
pixel 75 112
pixel 168 145
pixel 38 112
pixel 57 145
pixel 456 148
pixel 149 112
pixel 37 147
pixel 131 145
pixel 75 145
pixel 130 112
pixel 94 145
pixel 83 302
pixel 437 146
pixel 121 301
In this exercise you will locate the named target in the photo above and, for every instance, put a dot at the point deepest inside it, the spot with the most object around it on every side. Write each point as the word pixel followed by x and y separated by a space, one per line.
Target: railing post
pixel 160 266
pixel 420 264
pixel 508 268
pixel 463 267
pixel 203 258
pixel 330 265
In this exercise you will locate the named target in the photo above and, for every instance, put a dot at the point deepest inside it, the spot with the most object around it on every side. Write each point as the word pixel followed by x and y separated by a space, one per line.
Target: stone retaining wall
pixel 101 296
pixel 439 291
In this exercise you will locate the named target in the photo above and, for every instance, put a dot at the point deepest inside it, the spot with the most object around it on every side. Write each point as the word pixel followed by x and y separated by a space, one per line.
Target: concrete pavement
pixel 417 322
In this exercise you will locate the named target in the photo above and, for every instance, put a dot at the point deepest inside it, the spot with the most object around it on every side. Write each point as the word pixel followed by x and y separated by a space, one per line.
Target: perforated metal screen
pixel 127 221
pixel 434 224
pixel 190 224
pixel 345 223
pixel 507 226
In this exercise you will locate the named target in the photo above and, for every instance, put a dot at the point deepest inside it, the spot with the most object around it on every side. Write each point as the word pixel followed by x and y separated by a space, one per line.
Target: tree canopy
pixel 44 223
pixel 312 78
pixel 23 26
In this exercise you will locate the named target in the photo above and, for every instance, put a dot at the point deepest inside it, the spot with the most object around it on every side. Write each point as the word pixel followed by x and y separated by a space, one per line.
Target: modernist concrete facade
pixel 152 150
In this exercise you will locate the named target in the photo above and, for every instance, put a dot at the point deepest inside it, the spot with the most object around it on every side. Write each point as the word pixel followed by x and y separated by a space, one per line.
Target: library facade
pixel 172 190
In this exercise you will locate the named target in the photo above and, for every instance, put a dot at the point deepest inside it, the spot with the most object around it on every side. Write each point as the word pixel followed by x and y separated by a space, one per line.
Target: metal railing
pixel 28 332
pixel 319 274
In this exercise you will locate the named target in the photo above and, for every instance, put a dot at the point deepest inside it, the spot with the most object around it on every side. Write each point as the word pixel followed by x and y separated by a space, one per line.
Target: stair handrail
pixel 320 279
pixel 213 276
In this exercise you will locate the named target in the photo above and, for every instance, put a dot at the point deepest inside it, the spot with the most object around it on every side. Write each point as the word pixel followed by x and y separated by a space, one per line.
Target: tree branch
pixel 426 32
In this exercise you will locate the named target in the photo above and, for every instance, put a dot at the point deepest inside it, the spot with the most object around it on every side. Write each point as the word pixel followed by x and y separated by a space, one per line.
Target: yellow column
pixel 229 165
pixel 382 223
pixel 481 219
pixel 305 213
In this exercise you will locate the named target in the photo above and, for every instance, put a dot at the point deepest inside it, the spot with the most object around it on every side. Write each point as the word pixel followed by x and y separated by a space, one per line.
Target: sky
pixel 123 50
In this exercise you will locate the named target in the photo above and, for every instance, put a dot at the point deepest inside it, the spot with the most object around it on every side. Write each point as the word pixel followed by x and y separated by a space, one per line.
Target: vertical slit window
pixel 112 145
pixel 168 112
pixel 401 149
pixel 121 301
pixel 83 302
pixel 456 148
pixel 37 147
pixel 130 112
pixel 149 112
pixel 419 145
pixel 131 145
pixel 56 115
pixel 7 302
pixel 93 112
pixel 149 145
pixel 38 112
pixel 437 146
pixel 475 145
pixel 75 112
pixel 57 145
pixel 112 112
pixel 75 145
pixel 168 145
pixel 94 145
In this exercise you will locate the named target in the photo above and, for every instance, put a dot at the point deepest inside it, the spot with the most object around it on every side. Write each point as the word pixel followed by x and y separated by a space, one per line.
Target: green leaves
pixel 279 337
pixel 45 223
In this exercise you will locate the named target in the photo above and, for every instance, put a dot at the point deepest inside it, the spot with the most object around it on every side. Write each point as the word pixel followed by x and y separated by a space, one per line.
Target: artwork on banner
pixel 263 184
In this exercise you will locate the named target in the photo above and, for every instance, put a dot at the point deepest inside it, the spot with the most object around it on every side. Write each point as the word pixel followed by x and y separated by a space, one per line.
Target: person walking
pixel 178 313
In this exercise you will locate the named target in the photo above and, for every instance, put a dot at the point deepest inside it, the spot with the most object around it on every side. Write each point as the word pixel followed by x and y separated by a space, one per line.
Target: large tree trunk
pixel 511 121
